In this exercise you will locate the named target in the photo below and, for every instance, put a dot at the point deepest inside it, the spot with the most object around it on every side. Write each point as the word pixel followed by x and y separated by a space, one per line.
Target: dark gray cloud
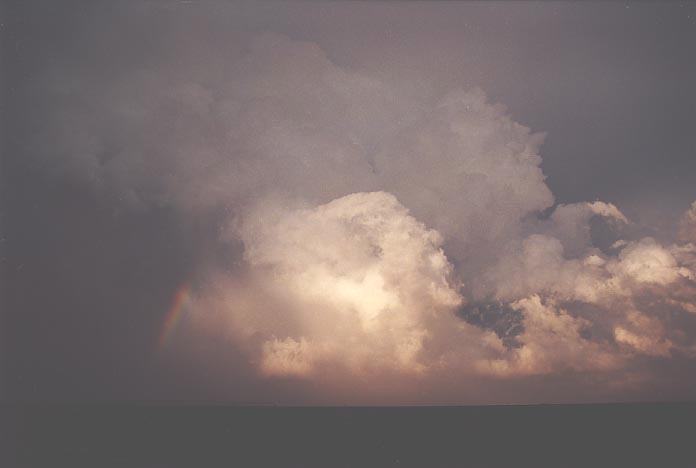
pixel 505 321
pixel 152 145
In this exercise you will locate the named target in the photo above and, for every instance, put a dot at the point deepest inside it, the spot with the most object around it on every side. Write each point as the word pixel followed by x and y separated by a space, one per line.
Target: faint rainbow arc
pixel 182 297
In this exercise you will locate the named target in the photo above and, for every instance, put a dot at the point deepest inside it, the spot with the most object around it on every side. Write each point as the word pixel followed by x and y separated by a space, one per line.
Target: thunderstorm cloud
pixel 374 238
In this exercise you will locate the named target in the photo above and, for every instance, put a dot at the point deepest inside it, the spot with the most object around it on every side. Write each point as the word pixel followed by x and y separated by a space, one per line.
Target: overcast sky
pixel 331 202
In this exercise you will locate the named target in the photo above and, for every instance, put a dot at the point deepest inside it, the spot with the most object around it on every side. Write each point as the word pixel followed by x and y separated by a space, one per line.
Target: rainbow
pixel 182 297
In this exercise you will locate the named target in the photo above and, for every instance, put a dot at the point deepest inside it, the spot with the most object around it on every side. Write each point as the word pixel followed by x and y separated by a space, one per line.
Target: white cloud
pixel 368 215
pixel 551 342
pixel 468 170
pixel 647 262
pixel 364 278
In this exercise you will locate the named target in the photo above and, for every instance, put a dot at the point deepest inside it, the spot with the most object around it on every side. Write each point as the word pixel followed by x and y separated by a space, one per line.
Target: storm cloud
pixel 352 233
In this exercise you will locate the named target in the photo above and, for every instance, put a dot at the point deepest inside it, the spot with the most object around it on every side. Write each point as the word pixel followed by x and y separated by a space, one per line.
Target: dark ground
pixel 161 436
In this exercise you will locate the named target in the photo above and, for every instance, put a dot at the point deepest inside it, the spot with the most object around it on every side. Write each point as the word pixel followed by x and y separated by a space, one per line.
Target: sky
pixel 348 202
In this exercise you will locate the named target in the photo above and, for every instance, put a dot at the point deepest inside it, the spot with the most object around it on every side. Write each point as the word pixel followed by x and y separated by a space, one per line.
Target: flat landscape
pixel 151 436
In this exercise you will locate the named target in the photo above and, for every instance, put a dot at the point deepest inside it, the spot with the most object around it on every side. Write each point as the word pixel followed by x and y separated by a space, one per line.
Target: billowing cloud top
pixel 387 233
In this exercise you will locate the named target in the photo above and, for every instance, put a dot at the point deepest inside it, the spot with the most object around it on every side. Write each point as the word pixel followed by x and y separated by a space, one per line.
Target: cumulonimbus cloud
pixel 370 216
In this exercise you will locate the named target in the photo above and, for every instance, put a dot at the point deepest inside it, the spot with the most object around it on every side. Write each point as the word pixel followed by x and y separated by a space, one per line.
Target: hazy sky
pixel 349 202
